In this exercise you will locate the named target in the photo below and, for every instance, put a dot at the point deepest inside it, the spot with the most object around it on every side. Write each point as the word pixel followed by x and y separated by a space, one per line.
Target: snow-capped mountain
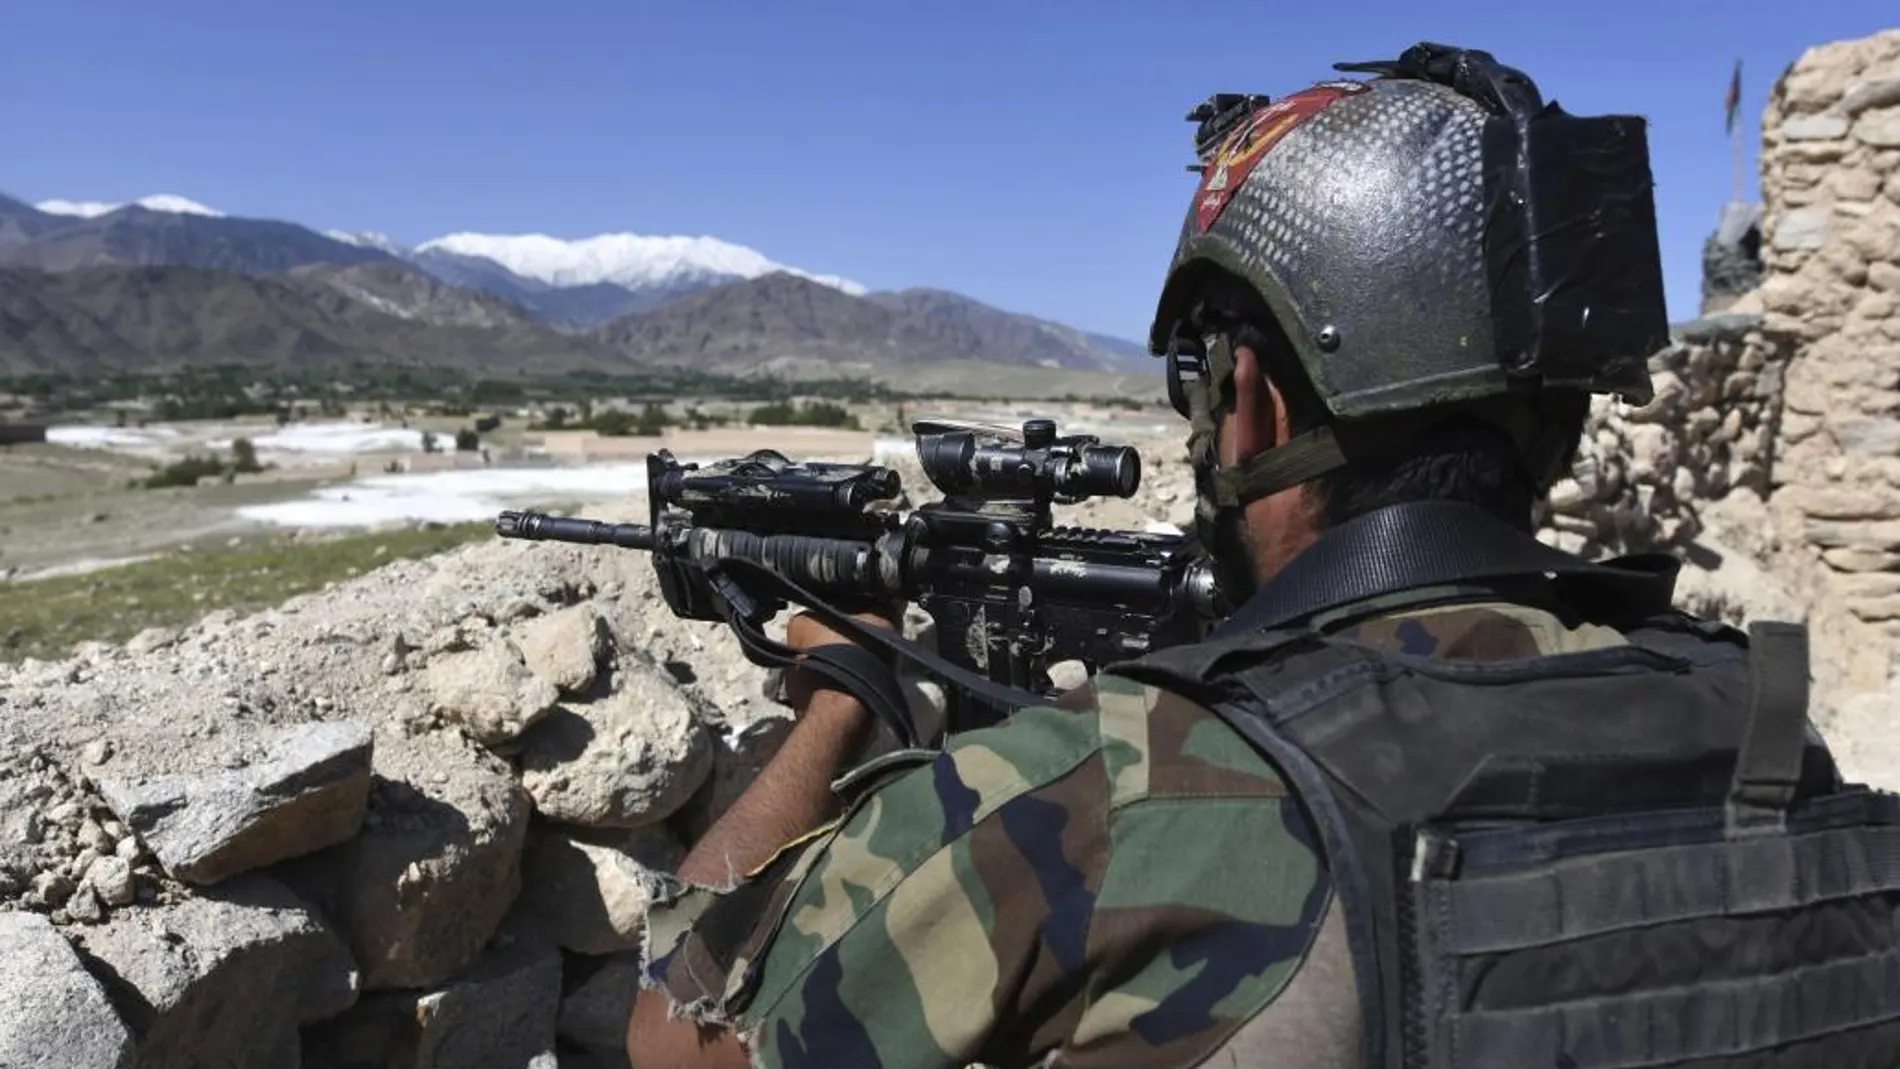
pixel 574 283
pixel 158 202
pixel 723 298
pixel 585 282
pixel 368 239
pixel 162 231
pixel 663 266
pixel 636 261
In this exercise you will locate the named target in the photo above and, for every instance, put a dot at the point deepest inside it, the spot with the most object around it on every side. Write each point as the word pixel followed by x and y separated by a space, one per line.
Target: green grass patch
pixel 46 618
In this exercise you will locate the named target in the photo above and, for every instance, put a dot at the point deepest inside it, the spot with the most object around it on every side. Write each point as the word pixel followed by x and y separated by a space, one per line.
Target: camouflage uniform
pixel 1125 885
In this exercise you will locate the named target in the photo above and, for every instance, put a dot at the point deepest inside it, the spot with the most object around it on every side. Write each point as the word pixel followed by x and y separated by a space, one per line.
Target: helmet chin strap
pixel 1300 459
pixel 1297 460
pixel 1221 492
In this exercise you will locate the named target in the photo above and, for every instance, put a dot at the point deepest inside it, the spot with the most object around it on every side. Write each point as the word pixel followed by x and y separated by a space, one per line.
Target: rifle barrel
pixel 540 527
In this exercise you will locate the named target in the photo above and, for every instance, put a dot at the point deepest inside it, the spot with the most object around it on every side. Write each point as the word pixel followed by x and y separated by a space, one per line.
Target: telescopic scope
pixel 964 462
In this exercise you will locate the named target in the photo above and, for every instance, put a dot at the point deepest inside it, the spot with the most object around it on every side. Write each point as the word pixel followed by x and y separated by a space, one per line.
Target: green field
pixel 46 618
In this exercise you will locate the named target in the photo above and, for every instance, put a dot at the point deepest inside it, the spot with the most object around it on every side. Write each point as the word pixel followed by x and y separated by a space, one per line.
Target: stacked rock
pixel 414 820
pixel 1646 478
pixel 1831 170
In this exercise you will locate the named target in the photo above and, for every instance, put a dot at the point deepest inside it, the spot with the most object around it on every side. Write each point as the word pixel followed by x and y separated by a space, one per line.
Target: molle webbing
pixel 1621 921
pixel 1585 896
pixel 1769 765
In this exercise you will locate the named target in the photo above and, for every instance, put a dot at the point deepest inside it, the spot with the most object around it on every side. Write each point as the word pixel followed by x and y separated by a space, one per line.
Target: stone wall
pixel 1831 180
pixel 1683 467
pixel 411 822
pixel 1770 458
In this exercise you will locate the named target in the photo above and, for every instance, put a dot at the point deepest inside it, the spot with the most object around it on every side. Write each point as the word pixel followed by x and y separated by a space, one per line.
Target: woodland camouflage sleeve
pixel 1124 885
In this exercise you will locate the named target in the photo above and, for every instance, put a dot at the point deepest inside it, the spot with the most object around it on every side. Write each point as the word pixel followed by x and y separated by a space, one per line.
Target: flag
pixel 1734 100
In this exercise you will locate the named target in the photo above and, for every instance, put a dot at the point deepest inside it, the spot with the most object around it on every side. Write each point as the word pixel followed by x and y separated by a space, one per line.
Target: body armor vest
pixel 1636 856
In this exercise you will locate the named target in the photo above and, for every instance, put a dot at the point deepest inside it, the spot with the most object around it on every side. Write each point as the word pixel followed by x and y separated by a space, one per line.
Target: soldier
pixel 1435 793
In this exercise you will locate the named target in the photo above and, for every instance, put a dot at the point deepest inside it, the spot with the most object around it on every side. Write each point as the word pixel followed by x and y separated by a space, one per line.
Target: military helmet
pixel 1434 236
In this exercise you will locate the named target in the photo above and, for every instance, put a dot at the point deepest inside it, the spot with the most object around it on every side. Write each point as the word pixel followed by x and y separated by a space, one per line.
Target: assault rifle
pixel 1009 592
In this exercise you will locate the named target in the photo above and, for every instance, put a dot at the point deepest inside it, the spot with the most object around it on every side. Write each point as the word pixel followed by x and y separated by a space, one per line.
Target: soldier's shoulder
pixel 1158 744
pixel 1481 630
pixel 1151 743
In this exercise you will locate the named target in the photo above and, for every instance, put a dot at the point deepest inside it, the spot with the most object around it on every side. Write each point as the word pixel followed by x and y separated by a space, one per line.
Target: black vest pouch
pixel 1632 857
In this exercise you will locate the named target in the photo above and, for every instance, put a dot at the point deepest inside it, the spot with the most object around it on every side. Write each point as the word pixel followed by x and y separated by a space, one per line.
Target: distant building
pixel 1731 258
pixel 450 461
pixel 799 443
pixel 22 433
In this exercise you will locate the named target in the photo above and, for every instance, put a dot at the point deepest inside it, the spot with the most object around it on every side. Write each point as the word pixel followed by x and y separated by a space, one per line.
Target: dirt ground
pixel 64 508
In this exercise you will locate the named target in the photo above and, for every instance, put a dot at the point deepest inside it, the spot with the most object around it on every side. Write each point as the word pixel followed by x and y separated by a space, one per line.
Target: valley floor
pixel 87 553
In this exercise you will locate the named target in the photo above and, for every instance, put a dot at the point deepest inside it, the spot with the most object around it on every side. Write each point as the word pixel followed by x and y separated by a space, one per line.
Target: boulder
pixel 223 979
pixel 595 1014
pixel 309 793
pixel 1868 437
pixel 629 760
pixel 436 867
pixel 1814 128
pixel 499 1015
pixel 1879 128
pixel 110 877
pixel 56 1013
pixel 592 896
pixel 1880 94
pixel 489 691
pixel 566 647
pixel 1802 229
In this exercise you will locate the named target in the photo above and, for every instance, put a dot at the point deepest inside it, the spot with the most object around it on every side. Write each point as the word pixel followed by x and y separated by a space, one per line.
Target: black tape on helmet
pixel 1570 244
pixel 1572 253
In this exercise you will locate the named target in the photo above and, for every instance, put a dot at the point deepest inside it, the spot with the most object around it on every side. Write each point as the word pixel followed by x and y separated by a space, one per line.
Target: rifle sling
pixel 757 579
pixel 850 667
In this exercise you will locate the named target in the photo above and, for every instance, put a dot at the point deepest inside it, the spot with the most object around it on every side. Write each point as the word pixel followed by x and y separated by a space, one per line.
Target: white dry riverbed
pixel 371 498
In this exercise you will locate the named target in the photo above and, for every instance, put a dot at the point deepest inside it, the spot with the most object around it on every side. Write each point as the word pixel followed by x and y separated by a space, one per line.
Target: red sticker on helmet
pixel 1248 145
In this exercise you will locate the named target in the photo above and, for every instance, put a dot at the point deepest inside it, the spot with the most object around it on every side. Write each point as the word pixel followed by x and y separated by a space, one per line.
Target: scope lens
pixel 946 460
pixel 1111 469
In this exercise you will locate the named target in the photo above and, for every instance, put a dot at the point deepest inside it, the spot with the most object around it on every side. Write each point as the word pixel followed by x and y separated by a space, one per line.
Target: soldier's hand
pixel 808 632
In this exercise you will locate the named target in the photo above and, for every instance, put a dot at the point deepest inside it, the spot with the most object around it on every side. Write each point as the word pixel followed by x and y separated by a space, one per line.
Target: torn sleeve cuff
pixel 702 944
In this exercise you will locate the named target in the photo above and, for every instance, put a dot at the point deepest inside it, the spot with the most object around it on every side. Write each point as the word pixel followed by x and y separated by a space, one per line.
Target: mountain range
pixel 165 282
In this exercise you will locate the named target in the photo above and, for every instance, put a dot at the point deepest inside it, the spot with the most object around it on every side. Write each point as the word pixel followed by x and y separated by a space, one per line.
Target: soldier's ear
pixel 1261 419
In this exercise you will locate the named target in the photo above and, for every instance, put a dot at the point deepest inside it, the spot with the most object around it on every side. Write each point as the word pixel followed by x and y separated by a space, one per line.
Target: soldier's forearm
pixel 791 796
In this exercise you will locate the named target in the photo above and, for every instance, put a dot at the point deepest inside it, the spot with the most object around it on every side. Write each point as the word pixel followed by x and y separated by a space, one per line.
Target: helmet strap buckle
pixel 1187 369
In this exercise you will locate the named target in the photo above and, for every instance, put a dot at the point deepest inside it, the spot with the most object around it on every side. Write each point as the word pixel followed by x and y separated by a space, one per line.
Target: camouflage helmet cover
pixel 1422 245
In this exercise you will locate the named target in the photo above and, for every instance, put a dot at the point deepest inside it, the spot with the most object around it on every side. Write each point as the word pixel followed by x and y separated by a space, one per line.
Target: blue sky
pixel 1027 153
